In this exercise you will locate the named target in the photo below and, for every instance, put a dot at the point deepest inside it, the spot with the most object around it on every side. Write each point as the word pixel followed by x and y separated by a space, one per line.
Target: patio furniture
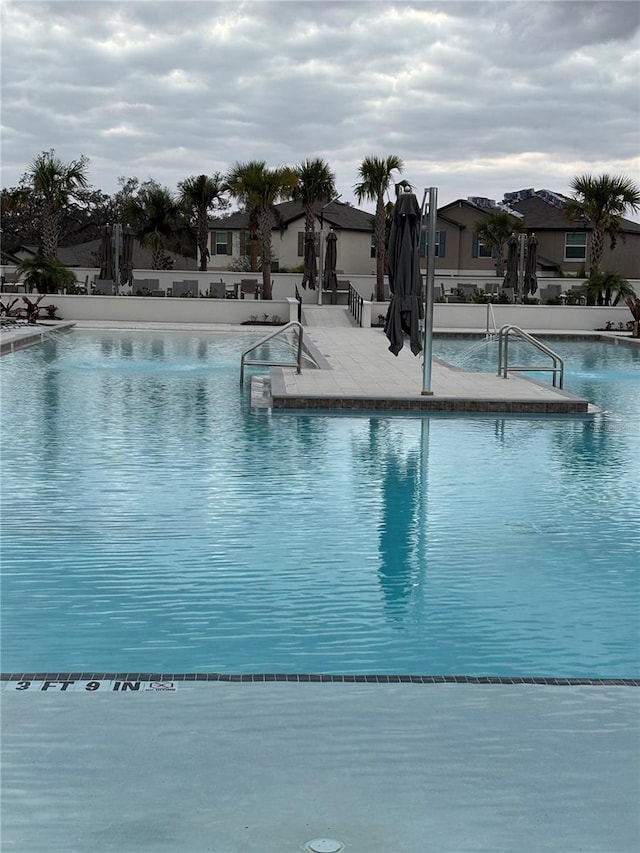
pixel 551 291
pixel 217 289
pixel 342 289
pixel 249 286
pixel 105 286
pixel 187 287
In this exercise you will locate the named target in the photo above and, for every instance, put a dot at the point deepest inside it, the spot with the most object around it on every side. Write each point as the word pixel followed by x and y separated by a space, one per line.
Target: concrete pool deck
pixel 360 373
pixel 397 768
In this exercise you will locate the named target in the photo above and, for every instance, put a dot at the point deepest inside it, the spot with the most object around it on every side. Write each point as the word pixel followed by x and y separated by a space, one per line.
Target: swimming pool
pixel 153 522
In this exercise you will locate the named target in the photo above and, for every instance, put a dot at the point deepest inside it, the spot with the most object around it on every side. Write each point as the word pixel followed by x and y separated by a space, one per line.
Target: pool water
pixel 151 521
pixel 606 374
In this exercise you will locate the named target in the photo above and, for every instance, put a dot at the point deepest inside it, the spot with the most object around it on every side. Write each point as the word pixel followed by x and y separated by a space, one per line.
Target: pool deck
pixel 359 372
pixel 266 767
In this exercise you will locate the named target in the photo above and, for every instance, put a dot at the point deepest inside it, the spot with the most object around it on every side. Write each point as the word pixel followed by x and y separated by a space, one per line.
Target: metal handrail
pixel 490 313
pixel 503 355
pixel 271 362
pixel 356 303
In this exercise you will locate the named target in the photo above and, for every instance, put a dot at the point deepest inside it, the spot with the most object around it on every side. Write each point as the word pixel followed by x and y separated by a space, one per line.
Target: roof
pixel 88 255
pixel 340 216
pixel 540 214
pixel 541 211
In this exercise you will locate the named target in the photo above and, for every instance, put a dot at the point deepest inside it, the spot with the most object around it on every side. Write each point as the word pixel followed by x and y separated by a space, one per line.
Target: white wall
pixel 528 317
pixel 141 309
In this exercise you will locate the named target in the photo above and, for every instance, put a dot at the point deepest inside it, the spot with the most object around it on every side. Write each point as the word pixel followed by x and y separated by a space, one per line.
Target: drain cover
pixel 324 845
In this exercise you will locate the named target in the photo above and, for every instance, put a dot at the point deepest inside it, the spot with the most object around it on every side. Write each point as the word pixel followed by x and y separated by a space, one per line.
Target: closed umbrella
pixel 530 277
pixel 511 275
pixel 330 276
pixel 310 270
pixel 405 308
pixel 106 254
pixel 126 259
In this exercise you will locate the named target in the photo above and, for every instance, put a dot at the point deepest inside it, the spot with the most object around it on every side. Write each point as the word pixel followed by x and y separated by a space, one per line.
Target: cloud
pixel 478 98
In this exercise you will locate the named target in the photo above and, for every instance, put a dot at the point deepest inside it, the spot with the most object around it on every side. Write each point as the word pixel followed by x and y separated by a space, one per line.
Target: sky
pixel 477 98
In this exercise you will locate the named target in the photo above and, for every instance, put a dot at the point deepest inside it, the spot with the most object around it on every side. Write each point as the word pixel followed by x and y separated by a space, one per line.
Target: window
pixel 301 243
pixel 575 246
pixel 222 243
pixel 441 244
pixel 480 249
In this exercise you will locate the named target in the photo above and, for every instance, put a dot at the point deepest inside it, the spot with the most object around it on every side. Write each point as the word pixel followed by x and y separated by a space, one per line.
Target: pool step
pixel 261 392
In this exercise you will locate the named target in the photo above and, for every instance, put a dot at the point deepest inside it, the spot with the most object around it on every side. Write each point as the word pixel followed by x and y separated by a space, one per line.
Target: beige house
pixel 229 238
pixel 563 246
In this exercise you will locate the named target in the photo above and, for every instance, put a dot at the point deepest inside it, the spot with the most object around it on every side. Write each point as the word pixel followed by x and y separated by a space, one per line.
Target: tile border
pixel 308 678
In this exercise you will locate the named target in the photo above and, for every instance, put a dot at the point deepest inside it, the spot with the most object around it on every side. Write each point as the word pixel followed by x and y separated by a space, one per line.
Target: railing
pixel 491 317
pixel 503 356
pixel 271 362
pixel 356 303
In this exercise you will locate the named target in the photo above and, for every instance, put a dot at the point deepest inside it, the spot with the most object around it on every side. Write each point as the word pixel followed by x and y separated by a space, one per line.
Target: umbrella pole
pixel 521 294
pixel 432 216
pixel 116 272
pixel 321 261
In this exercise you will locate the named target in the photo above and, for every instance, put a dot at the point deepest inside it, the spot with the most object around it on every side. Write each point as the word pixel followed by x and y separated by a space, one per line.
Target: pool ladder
pixel 273 362
pixel 557 368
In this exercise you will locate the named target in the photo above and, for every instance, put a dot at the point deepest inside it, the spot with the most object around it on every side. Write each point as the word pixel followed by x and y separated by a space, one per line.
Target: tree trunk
pixel 254 248
pixel 379 230
pixel 596 250
pixel 50 231
pixel 203 239
pixel 157 255
pixel 265 227
pixel 310 219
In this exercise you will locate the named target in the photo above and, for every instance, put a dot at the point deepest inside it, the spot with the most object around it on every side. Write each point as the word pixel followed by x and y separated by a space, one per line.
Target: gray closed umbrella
pixel 530 277
pixel 329 275
pixel 310 270
pixel 126 259
pixel 511 275
pixel 405 308
pixel 107 265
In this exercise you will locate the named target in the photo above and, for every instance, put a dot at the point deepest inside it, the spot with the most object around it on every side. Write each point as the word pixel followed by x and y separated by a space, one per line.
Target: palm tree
pixel 601 200
pixel 199 194
pixel 316 182
pixel 156 216
pixel 258 189
pixel 54 183
pixel 46 275
pixel 375 175
pixel 598 289
pixel 494 229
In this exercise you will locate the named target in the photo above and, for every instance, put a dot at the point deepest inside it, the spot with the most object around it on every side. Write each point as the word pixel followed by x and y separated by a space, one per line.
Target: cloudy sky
pixel 477 98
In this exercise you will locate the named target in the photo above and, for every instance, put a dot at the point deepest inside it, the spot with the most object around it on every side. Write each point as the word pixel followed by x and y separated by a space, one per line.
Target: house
pixel 562 245
pixel 87 255
pixel 229 238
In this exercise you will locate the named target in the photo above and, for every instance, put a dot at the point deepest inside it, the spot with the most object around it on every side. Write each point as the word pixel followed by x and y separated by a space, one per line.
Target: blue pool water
pixel 152 522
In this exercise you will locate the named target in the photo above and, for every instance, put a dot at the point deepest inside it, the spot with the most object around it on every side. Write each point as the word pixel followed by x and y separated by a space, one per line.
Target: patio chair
pixel 105 286
pixel 249 286
pixel 217 289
